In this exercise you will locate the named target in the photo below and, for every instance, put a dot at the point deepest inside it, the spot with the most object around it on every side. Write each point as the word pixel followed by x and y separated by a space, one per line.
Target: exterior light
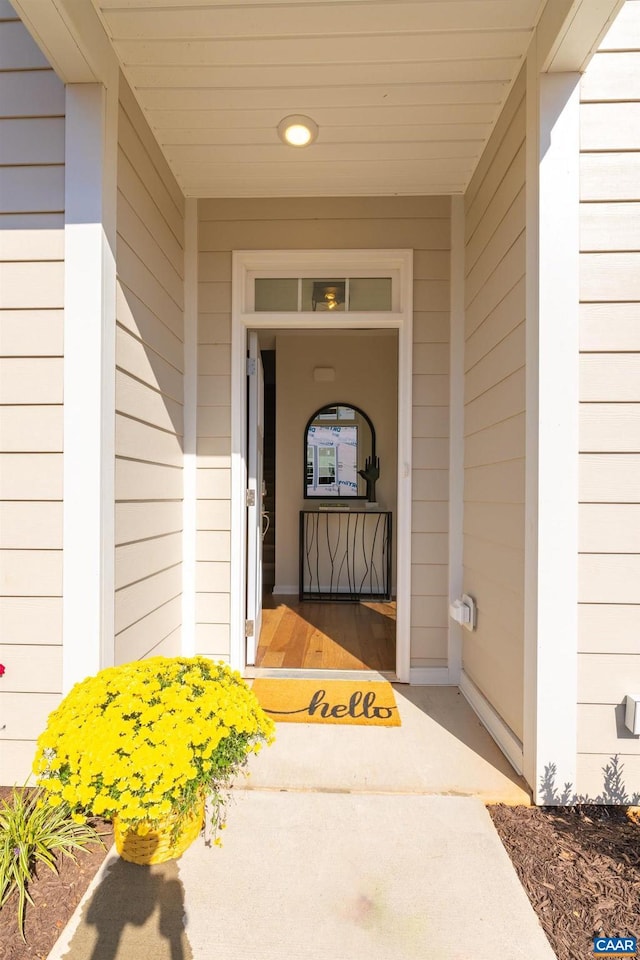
pixel 297 130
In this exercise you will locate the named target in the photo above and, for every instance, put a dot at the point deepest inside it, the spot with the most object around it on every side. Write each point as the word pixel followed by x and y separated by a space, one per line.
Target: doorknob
pixel 265 525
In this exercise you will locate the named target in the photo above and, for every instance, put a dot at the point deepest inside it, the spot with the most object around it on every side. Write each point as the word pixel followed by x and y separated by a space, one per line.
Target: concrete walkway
pixel 321 861
pixel 441 747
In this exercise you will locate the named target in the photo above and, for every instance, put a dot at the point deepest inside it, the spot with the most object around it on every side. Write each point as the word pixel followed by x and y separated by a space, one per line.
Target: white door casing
pixel 249 264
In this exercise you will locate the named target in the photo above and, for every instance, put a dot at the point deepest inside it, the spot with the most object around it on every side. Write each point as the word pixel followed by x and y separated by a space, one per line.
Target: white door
pixel 255 440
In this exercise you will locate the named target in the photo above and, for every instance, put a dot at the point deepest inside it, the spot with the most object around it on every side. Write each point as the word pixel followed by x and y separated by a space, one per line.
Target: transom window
pixel 322 294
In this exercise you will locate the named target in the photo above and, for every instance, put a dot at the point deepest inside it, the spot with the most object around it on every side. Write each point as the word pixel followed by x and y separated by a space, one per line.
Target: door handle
pixel 265 525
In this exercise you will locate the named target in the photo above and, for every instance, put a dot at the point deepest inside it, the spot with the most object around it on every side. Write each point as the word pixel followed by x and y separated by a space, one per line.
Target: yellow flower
pixel 143 738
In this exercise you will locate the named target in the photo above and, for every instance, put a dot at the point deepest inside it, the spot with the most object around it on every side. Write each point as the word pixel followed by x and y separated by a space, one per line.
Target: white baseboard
pixel 501 733
pixel 286 591
pixel 429 676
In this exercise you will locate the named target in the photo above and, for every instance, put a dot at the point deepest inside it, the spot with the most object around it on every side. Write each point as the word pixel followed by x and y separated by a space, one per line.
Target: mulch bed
pixel 55 898
pixel 580 867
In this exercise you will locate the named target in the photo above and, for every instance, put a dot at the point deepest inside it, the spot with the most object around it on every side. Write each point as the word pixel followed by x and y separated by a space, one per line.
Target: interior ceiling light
pixel 297 130
pixel 327 296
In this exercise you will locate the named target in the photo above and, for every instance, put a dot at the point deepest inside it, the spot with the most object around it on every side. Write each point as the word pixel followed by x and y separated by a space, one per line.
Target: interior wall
pixel 149 393
pixel 419 223
pixel 31 377
pixel 494 417
pixel 609 518
pixel 366 375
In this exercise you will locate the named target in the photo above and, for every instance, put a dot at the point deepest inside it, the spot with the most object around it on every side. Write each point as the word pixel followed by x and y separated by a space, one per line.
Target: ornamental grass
pixel 146 740
pixel 34 834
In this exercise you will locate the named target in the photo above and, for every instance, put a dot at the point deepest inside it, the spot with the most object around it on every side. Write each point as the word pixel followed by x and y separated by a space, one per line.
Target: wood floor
pixel 330 636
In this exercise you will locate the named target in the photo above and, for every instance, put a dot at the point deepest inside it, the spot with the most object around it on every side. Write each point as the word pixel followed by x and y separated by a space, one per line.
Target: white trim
pixel 551 494
pixel 456 430
pixel 89 381
pixel 237 651
pixel 574 42
pixel 530 659
pixel 431 677
pixel 246 265
pixel 190 413
pixel 501 733
pixel 73 39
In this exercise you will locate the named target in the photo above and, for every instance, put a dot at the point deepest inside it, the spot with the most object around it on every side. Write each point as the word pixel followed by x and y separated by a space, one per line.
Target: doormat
pixel 328 701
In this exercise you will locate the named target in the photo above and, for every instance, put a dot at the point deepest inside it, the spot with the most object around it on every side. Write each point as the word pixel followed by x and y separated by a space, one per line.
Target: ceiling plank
pixel 338 152
pixel 402 133
pixel 416 185
pixel 451 169
pixel 302 101
pixel 390 48
pixel 326 74
pixel 304 19
pixel 329 115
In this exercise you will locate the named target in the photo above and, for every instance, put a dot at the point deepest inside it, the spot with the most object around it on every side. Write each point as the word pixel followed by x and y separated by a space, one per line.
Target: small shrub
pixel 32 832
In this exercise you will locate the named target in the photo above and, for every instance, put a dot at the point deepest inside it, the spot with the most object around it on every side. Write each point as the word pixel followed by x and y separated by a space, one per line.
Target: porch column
pixel 89 379
pixel 551 497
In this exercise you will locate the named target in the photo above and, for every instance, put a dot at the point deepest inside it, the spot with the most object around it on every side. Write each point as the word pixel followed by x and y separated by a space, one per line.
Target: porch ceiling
pixel 405 92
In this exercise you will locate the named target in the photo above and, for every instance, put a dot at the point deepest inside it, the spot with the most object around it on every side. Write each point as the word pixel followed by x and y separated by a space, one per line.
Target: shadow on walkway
pixel 134 911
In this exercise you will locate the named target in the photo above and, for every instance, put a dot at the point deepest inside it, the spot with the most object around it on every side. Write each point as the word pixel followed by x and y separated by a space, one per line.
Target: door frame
pixel 246 266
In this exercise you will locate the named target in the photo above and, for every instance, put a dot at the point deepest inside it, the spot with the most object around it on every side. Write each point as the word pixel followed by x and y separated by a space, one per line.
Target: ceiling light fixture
pixel 297 130
pixel 327 296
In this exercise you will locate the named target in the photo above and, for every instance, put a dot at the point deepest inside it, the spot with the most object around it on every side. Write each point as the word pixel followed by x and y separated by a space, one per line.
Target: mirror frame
pixel 372 454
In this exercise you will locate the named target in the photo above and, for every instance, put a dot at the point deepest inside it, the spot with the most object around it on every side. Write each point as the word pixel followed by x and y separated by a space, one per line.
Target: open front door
pixel 255 441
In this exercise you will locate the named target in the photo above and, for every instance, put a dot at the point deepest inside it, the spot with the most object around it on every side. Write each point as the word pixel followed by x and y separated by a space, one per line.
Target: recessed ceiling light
pixel 297 130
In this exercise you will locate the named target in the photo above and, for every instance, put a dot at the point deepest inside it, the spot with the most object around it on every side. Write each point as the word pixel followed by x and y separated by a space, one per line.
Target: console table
pixel 345 554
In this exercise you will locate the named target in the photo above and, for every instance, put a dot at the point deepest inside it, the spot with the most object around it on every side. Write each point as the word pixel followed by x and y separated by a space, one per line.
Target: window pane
pixel 370 293
pixel 326 465
pixel 323 295
pixel 276 293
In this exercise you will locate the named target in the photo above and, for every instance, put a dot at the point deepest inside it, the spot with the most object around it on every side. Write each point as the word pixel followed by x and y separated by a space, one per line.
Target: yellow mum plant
pixel 147 739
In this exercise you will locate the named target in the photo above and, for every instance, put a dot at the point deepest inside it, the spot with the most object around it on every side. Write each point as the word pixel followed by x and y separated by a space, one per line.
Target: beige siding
pixel 494 403
pixel 609 561
pixel 421 223
pixel 31 371
pixel 149 391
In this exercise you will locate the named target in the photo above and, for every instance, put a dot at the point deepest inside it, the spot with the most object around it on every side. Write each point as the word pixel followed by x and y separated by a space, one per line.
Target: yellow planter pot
pixel 160 841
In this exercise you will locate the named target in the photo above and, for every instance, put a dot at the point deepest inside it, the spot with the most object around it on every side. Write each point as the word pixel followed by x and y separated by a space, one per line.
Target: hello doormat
pixel 328 701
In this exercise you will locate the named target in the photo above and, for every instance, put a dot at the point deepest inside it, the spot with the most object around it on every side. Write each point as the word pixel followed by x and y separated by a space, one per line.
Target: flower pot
pixel 165 840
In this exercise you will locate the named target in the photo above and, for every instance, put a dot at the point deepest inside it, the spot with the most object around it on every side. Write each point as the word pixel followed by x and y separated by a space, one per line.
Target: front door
pixel 255 441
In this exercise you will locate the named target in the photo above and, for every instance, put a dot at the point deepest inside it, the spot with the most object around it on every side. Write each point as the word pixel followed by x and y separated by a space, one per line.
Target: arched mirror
pixel 340 453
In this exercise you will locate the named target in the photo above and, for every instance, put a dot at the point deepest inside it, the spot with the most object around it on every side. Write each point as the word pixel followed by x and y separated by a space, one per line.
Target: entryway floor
pixel 440 748
pixel 326 635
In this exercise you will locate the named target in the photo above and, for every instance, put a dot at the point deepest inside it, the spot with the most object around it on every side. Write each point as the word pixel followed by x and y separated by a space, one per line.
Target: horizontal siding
pixel 430 486
pixel 494 403
pixel 421 223
pixel 609 560
pixel 149 394
pixel 31 372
